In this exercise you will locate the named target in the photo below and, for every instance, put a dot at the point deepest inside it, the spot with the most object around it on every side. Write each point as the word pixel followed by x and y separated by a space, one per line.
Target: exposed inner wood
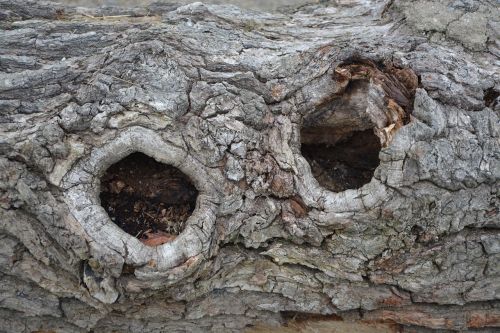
pixel 343 137
pixel 398 84
pixel 147 199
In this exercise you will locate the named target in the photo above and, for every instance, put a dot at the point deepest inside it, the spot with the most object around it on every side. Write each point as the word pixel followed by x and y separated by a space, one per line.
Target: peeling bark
pixel 249 105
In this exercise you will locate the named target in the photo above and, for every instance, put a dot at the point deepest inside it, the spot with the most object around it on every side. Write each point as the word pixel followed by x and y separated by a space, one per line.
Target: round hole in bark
pixel 149 200
pixel 340 159
pixel 342 137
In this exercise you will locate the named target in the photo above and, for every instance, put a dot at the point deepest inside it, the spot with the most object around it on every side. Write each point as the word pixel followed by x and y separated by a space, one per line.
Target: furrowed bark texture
pixel 228 96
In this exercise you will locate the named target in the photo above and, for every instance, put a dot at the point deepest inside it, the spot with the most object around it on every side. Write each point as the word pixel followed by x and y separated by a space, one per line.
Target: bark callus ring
pixel 176 232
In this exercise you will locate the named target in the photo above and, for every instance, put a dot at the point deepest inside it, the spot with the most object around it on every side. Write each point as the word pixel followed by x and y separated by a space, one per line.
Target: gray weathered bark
pixel 223 95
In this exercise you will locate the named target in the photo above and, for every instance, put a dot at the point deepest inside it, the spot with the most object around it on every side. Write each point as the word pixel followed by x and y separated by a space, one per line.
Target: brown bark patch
pixel 416 318
pixel 298 207
pixel 483 319
pixel 299 322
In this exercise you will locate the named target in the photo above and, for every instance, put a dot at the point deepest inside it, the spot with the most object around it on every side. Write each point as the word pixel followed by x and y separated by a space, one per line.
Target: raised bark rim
pixel 82 196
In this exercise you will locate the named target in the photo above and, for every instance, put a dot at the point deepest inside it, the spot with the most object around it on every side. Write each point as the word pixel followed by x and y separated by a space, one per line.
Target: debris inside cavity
pixel 147 199
pixel 491 98
pixel 349 163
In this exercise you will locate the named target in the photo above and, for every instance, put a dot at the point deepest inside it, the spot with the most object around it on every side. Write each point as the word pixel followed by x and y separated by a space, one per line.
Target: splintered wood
pixel 342 141
pixel 398 86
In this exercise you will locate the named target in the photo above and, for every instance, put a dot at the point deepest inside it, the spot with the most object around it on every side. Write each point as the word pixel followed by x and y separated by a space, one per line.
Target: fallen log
pixel 207 168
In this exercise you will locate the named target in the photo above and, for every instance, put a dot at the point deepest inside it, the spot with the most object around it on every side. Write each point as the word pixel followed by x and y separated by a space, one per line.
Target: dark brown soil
pixel 147 198
pixel 348 164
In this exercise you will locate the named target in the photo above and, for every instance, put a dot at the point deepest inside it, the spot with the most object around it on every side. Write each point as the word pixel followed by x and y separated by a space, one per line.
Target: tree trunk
pixel 344 160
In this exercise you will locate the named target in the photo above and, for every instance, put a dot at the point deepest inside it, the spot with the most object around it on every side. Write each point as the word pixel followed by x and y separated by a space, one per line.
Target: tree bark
pixel 346 156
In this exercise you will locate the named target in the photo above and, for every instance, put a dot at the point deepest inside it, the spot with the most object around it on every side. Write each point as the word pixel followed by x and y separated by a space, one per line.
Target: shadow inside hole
pixel 491 97
pixel 147 199
pixel 341 161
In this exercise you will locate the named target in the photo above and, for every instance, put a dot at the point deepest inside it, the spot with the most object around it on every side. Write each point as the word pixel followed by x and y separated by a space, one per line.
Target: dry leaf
pixel 157 238
pixel 117 186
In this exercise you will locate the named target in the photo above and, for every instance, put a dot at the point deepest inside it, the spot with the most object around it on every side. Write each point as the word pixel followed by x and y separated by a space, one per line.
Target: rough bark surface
pixel 223 94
